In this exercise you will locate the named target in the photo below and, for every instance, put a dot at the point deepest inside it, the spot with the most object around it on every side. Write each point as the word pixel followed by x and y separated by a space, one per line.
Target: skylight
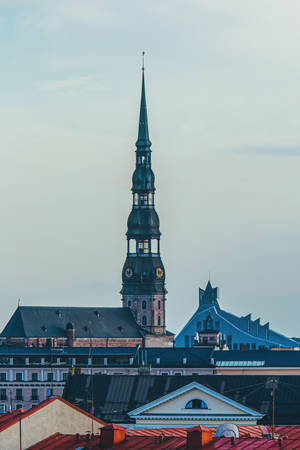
pixel 240 363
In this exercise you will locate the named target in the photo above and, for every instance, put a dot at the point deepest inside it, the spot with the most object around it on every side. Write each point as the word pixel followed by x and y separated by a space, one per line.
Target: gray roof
pixel 46 321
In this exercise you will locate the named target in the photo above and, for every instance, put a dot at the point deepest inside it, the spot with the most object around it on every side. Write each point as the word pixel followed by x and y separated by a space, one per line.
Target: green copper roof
pixel 143 143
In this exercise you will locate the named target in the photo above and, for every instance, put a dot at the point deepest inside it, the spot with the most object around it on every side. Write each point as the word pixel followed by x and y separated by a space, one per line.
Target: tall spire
pixel 143 142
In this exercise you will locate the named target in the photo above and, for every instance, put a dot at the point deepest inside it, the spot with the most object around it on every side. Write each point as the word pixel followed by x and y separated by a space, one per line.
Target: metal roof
pixel 50 321
pixel 116 395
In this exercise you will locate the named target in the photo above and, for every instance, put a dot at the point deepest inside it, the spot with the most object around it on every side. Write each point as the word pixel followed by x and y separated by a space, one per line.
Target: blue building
pixel 239 333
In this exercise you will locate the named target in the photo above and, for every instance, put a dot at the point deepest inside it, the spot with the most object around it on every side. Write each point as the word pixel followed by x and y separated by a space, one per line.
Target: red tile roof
pixel 245 431
pixel 175 438
pixel 10 418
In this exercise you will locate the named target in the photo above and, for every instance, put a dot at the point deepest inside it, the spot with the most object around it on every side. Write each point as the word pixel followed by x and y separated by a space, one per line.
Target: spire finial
pixel 143 58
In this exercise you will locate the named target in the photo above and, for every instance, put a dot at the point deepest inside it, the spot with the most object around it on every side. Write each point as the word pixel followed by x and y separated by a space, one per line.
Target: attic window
pixel 97 314
pixel 58 312
pixel 196 403
pixel 44 328
pixel 85 328
pixel 121 329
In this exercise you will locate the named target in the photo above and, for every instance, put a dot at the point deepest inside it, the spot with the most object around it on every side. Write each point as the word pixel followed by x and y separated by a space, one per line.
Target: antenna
pixel 143 59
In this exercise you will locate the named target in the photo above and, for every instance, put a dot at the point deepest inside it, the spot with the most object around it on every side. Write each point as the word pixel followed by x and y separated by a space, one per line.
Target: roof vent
pixel 44 328
pixel 227 430
pixel 58 312
pixel 97 314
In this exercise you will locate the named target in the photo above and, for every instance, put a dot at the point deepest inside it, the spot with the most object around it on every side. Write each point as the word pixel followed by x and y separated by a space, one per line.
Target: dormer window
pixel 196 403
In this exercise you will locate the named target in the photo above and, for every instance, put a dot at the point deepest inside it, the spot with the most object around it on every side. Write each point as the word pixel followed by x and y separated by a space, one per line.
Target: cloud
pixel 270 151
pixel 71 85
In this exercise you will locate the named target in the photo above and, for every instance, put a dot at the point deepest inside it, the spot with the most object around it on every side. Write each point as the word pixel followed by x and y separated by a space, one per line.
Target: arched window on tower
pixel 158 321
pixel 144 304
pixel 144 199
pixel 209 323
pixel 196 403
pixel 158 304
pixel 144 321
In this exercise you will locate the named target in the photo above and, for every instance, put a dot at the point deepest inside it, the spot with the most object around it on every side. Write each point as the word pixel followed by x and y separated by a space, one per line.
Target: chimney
pixel 111 435
pixel 198 437
pixel 70 330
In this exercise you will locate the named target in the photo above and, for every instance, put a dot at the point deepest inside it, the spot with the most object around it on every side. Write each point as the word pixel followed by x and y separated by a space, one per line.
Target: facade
pixel 143 275
pixel 22 429
pixel 29 375
pixel 238 333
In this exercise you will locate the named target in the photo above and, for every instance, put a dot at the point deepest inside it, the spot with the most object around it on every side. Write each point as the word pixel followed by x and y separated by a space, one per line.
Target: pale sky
pixel 222 84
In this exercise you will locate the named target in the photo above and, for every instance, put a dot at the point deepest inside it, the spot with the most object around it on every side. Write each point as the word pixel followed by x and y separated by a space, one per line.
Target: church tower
pixel 143 274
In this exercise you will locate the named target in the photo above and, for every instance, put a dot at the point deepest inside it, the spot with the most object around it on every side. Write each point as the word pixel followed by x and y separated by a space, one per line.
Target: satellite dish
pixel 227 430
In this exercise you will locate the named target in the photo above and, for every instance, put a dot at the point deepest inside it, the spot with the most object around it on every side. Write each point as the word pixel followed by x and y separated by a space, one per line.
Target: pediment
pixel 180 402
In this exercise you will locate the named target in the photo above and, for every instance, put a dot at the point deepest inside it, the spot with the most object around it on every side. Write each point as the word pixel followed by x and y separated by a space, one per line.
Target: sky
pixel 222 85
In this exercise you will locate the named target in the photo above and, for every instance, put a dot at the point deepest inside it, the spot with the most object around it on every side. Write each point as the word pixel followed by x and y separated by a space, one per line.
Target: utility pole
pixel 20 430
pixel 273 408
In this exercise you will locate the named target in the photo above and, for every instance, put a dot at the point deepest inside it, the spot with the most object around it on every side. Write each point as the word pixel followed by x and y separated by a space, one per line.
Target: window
pixel 65 376
pixel 19 376
pixel 19 395
pixel 158 304
pixel 19 406
pixel 143 199
pixel 49 376
pixel 196 403
pixel 49 392
pixel 158 320
pixel 229 341
pixel 217 325
pixel 144 321
pixel 186 341
pixel 129 303
pixel 144 304
pixel 235 346
pixel 34 394
pixel 3 376
pixel 253 346
pixel 2 394
pixel 3 408
pixel 34 376
pixel 209 323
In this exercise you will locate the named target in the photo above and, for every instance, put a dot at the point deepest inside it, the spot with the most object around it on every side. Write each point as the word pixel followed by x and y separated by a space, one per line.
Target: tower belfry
pixel 143 274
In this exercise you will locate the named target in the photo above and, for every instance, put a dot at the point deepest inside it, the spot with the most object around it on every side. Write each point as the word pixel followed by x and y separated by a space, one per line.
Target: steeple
pixel 143 142
pixel 143 275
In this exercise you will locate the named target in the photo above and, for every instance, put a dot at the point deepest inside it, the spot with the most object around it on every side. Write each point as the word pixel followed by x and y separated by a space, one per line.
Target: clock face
pixel 159 272
pixel 128 272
